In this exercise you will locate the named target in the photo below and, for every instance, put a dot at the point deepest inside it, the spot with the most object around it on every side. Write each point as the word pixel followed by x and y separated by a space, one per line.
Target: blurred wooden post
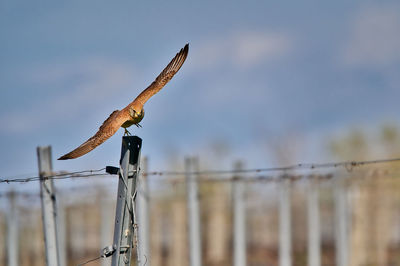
pixel 341 222
pixel 62 232
pixel 194 213
pixel 178 249
pixel 143 216
pixel 218 233
pixel 239 219
pixel 314 241
pixel 156 236
pixel 285 238
pixel 125 218
pixel 12 231
pixel 106 208
pixel 49 211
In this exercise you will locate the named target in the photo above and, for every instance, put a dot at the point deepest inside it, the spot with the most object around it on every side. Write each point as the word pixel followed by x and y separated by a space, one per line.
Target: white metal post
pixel 341 222
pixel 48 201
pixel 285 245
pixel 314 241
pixel 143 215
pixel 12 231
pixel 194 213
pixel 239 219
pixel 125 217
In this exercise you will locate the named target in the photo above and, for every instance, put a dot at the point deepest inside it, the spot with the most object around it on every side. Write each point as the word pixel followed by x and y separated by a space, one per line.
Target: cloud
pixel 243 50
pixel 253 48
pixel 74 87
pixel 374 37
pixel 71 89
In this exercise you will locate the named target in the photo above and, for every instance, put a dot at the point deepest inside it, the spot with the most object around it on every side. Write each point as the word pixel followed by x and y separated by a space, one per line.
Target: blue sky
pixel 256 70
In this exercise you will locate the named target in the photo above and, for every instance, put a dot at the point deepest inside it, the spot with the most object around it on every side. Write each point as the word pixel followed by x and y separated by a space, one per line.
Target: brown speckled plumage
pixel 118 118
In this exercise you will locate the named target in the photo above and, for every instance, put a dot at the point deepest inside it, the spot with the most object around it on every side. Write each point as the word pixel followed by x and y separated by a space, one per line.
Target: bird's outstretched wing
pixel 117 118
pixel 162 79
pixel 107 129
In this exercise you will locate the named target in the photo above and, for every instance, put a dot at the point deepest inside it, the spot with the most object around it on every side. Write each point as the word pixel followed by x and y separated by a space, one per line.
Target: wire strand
pixel 348 165
pixel 62 175
pixel 311 166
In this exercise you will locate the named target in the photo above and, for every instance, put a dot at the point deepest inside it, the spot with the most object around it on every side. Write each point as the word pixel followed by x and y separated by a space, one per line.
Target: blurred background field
pixel 370 194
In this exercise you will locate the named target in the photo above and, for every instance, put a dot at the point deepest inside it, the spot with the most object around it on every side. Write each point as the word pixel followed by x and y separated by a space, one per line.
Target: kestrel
pixel 133 113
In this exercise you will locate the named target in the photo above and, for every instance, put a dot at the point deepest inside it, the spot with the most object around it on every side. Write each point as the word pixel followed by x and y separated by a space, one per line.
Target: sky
pixel 256 71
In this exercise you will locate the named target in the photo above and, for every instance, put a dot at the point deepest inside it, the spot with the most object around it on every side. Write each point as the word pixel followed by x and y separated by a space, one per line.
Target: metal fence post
pixel 285 245
pixel 48 201
pixel 239 219
pixel 314 242
pixel 125 217
pixel 12 231
pixel 143 216
pixel 341 222
pixel 194 212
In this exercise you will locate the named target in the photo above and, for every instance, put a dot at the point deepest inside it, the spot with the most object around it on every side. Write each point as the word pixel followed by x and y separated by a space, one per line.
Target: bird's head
pixel 136 115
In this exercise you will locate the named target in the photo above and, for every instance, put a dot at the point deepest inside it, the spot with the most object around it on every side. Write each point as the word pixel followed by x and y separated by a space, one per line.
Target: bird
pixel 133 113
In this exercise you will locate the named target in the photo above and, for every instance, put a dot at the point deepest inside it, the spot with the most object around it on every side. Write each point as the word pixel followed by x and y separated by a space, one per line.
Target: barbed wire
pixel 248 179
pixel 20 194
pixel 259 178
pixel 348 165
pixel 61 175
